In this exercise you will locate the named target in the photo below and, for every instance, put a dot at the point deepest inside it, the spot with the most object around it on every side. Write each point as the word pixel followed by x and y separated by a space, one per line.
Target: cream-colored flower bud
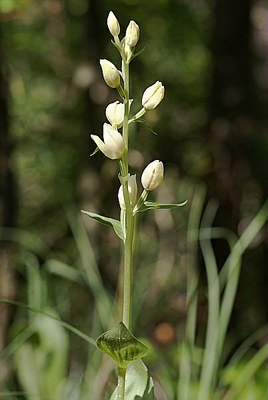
pixel 113 24
pixel 132 34
pixel 110 73
pixel 115 113
pixel 128 52
pixel 153 95
pixel 132 190
pixel 153 175
pixel 113 145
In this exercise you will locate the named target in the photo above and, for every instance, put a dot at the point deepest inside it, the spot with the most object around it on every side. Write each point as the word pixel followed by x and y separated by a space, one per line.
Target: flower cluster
pixel 114 144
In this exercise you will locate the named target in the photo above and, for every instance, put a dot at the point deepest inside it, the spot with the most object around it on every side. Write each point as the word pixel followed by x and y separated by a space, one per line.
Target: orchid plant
pixel 119 342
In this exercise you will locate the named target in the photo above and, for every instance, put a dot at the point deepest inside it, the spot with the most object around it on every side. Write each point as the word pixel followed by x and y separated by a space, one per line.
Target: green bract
pixel 121 345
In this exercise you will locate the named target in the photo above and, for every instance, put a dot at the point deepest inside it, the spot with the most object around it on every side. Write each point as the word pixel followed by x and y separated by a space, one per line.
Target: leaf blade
pixel 152 205
pixel 111 222
pixel 139 384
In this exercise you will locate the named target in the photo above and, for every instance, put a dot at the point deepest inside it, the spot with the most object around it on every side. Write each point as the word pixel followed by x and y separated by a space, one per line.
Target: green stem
pixel 129 218
pixel 121 383
pixel 141 201
pixel 138 115
pixel 125 73
pixel 127 280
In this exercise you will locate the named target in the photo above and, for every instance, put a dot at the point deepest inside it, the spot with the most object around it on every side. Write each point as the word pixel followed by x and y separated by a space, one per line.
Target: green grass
pixel 42 343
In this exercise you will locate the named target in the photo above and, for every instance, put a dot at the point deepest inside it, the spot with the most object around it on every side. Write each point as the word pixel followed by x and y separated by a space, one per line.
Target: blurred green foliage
pixel 50 50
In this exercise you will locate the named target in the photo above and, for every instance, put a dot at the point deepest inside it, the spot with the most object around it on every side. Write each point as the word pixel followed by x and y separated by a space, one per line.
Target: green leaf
pixel 62 323
pixel 137 54
pixel 121 345
pixel 64 270
pixel 151 205
pixel 41 362
pixel 148 126
pixel 111 222
pixel 139 385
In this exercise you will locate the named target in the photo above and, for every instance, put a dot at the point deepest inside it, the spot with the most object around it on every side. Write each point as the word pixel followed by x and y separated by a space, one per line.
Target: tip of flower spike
pixel 113 24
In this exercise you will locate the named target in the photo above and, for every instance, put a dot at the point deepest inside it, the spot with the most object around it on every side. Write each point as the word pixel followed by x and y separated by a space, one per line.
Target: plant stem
pixel 121 383
pixel 129 218
pixel 127 280
pixel 125 73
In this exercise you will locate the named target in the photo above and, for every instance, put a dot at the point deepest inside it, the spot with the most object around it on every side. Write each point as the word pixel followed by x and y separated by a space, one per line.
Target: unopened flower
pixel 113 145
pixel 128 51
pixel 110 73
pixel 115 113
pixel 132 34
pixel 153 95
pixel 132 190
pixel 152 175
pixel 113 24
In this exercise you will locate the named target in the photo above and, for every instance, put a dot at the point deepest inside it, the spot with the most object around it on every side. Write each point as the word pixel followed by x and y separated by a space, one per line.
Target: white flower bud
pixel 153 95
pixel 115 113
pixel 113 24
pixel 132 190
pixel 152 175
pixel 110 73
pixel 132 34
pixel 113 145
pixel 128 51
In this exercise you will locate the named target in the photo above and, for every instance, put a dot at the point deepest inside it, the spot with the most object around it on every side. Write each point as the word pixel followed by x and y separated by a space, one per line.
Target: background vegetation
pixel 212 137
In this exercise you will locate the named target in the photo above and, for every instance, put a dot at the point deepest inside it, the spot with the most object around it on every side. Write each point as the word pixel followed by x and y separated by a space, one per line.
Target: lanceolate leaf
pixel 142 121
pixel 114 223
pixel 151 205
pixel 139 385
pixel 121 345
pixel 138 53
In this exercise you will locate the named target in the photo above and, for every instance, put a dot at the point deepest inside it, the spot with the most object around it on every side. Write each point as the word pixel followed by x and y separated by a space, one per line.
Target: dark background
pixel 211 130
